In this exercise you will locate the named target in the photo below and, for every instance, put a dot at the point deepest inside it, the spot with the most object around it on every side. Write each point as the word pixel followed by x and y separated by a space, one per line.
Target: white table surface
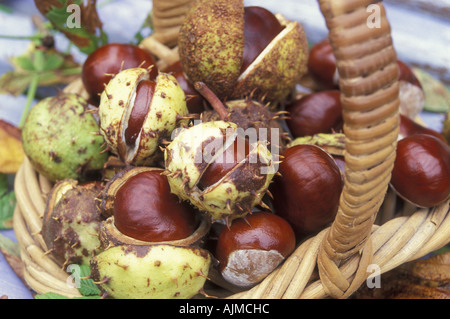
pixel 433 30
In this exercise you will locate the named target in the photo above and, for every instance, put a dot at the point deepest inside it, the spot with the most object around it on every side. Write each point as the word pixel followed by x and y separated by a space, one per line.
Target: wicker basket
pixel 366 231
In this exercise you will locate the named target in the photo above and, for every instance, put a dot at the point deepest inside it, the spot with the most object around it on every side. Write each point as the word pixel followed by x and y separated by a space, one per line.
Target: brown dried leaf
pixel 11 150
pixel 89 35
pixel 90 19
pixel 11 251
pixel 421 279
pixel 14 262
pixel 45 6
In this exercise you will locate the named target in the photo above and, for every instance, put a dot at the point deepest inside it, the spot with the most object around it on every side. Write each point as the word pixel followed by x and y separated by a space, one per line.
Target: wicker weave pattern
pixel 167 17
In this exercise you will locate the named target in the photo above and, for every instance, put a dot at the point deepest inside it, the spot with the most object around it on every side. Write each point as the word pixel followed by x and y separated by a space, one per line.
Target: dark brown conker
pixel 308 191
pixel 322 64
pixel 260 28
pixel 145 209
pixel 409 127
pixel 108 60
pixel 251 247
pixel 406 74
pixel 319 112
pixel 225 162
pixel 144 94
pixel 421 173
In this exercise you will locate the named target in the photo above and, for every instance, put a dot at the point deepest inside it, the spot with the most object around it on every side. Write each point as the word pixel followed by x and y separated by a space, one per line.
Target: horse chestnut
pixel 224 163
pixel 71 222
pixel 234 186
pixel 137 113
pixel 322 64
pixel 319 112
pixel 409 127
pixel 253 246
pixel 145 209
pixel 102 64
pixel 421 173
pixel 57 138
pixel 260 28
pixel 308 191
pixel 214 46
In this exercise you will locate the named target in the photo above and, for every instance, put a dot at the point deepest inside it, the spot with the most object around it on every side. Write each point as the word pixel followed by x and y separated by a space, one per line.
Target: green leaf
pixel 53 295
pixel 87 285
pixel 52 68
pixel 52 62
pixel 4 185
pixel 14 83
pixel 437 95
pixel 24 62
pixel 7 205
pixel 9 246
pixel 88 288
pixel 50 295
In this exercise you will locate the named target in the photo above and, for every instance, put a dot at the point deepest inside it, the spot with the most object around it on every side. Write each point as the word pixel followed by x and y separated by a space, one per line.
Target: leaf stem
pixel 30 96
pixel 21 37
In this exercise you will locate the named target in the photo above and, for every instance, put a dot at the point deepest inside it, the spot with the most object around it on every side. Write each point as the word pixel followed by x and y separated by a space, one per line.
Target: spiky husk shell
pixel 250 114
pixel 167 107
pixel 211 47
pixel 211 44
pixel 59 138
pixel 158 271
pixel 71 222
pixel 333 143
pixel 280 66
pixel 235 194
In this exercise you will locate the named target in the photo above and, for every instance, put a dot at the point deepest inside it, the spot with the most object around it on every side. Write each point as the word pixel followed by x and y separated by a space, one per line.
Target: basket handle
pixel 167 17
pixel 359 33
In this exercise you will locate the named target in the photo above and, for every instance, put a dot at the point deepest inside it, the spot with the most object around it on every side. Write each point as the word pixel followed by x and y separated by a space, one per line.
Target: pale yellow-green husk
pixel 158 271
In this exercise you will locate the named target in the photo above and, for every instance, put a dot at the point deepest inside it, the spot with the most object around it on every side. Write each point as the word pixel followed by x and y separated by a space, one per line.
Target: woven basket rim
pixel 325 265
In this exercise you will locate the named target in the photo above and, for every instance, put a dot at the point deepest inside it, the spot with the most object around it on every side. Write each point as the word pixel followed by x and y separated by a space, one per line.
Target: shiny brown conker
pixel 421 173
pixel 225 162
pixel 322 64
pixel 144 94
pixel 260 27
pixel 108 60
pixel 307 192
pixel 405 74
pixel 319 112
pixel 145 209
pixel 251 247
pixel 409 127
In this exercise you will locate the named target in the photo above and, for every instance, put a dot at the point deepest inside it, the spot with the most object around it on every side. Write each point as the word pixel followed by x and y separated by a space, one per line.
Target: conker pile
pixel 199 184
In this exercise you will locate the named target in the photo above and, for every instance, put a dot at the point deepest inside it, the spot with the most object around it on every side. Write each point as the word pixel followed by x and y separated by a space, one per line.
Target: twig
pixel 215 102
